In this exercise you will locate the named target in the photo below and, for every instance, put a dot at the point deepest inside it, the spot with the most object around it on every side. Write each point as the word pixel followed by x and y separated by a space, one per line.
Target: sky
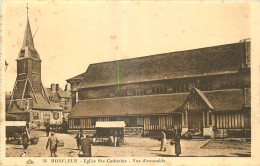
pixel 72 35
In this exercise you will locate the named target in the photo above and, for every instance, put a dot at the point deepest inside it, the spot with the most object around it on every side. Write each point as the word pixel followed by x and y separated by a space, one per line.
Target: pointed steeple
pixel 28 39
pixel 28 50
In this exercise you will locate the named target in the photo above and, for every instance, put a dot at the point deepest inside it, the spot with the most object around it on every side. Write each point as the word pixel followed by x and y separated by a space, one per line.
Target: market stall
pixel 105 131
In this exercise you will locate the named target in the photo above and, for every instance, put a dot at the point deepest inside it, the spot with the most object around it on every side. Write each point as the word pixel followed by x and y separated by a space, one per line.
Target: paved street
pixel 135 147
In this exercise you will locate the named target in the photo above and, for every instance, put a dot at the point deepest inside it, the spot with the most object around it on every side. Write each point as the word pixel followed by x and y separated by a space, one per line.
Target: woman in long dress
pixel 177 142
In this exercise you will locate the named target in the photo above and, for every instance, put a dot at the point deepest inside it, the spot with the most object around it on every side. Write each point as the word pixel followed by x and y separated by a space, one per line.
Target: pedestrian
pixel 177 142
pixel 27 125
pixel 86 146
pixel 47 129
pixel 110 139
pixel 53 143
pixel 64 126
pixel 115 136
pixel 78 137
pixel 25 140
pixel 163 141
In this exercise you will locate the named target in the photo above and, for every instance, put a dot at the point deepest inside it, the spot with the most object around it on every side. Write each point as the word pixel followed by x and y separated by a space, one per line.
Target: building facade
pixel 74 83
pixel 60 97
pixel 29 100
pixel 206 91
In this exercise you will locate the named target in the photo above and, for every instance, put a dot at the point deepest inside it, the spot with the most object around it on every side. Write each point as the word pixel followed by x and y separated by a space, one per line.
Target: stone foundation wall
pixel 133 131
pixel 233 133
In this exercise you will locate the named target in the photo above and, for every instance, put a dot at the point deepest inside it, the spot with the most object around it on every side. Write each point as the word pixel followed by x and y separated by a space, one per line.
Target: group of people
pixel 115 138
pixel 84 144
pixel 63 126
pixel 175 142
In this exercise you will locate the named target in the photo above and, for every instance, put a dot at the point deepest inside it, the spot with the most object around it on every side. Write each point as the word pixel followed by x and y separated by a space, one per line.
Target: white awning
pixel 111 124
pixel 15 123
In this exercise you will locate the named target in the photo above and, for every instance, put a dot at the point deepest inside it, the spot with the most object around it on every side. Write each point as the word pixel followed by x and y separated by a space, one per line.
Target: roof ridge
pixel 204 97
pixel 177 51
pixel 126 97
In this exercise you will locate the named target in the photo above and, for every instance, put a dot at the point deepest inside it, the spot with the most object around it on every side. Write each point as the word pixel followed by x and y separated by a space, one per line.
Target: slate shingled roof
pixel 226 100
pixel 44 105
pixel 56 95
pixel 210 60
pixel 53 94
pixel 64 94
pixel 221 100
pixel 41 104
pixel 134 105
pixel 78 77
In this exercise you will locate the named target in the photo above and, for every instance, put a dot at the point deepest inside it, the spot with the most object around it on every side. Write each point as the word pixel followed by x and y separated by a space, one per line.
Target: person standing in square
pixel 177 142
pixel 163 141
pixel 53 143
pixel 86 146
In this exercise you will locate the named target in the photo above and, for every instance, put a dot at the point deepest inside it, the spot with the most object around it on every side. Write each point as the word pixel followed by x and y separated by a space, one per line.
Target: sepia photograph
pixel 128 82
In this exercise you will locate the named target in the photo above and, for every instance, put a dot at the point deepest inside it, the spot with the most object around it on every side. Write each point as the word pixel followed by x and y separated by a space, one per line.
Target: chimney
pixel 53 86
pixel 57 87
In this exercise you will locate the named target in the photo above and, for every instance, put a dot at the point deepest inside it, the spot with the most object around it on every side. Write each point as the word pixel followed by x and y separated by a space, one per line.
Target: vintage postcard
pixel 129 83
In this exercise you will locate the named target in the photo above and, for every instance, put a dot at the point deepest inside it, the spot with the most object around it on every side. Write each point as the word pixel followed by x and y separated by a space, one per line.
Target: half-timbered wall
pixel 231 120
pixel 159 122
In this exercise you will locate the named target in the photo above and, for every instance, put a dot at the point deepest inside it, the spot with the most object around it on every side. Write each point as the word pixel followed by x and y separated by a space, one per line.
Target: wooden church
pixel 29 101
pixel 205 91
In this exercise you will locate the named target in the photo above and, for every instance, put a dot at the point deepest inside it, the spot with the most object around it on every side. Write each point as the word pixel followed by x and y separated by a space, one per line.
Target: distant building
pixel 60 97
pixel 205 91
pixel 74 83
pixel 29 100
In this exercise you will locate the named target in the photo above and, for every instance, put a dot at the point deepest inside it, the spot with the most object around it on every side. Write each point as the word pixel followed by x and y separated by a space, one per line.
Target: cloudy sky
pixel 72 35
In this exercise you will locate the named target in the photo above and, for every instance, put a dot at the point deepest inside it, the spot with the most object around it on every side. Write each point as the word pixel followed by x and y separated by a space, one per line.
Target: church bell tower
pixel 28 86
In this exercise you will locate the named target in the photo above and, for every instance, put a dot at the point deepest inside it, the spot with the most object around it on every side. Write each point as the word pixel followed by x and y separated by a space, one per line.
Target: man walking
pixel 53 142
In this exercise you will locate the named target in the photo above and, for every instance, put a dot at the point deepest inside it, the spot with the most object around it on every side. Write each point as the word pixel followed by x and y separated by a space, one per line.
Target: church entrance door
pixel 195 122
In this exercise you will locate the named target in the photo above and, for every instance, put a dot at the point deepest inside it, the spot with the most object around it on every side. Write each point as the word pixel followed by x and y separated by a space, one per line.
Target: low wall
pixel 233 133
pixel 133 131
pixel 85 132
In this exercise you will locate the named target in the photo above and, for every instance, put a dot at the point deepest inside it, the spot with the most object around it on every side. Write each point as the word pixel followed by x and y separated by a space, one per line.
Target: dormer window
pixel 34 53
pixel 22 53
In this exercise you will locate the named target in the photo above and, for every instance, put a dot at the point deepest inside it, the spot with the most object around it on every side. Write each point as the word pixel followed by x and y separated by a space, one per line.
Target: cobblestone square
pixel 135 147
